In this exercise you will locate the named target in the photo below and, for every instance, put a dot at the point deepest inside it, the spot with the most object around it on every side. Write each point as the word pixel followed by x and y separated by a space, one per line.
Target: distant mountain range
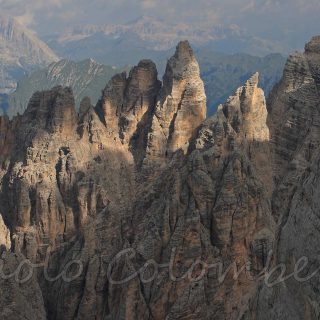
pixel 150 37
pixel 20 52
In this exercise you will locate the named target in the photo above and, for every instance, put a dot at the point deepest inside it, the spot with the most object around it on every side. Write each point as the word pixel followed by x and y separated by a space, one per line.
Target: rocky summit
pixel 140 207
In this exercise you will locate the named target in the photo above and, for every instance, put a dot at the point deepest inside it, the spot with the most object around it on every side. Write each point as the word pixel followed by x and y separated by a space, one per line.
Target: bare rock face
pixel 33 203
pixel 155 212
pixel 5 241
pixel 294 128
pixel 48 192
pixel 293 106
pixel 156 120
pixel 64 171
pixel 126 101
pixel 246 112
pixel 21 296
pixel 7 133
pixel 313 46
pixel 73 187
pixel 181 105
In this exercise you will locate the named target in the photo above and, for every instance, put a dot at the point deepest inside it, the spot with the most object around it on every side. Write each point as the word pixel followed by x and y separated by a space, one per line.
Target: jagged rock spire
pixel 313 45
pixel 126 100
pixel 154 120
pixel 181 105
pixel 247 111
pixel 53 111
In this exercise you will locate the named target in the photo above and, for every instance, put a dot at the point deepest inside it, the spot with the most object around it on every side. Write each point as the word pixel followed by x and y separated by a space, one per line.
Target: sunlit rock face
pixel 156 119
pixel 181 106
pixel 248 111
pixel 150 199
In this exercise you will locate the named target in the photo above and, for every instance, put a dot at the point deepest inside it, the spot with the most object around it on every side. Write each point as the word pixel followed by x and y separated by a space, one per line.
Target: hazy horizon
pixel 290 23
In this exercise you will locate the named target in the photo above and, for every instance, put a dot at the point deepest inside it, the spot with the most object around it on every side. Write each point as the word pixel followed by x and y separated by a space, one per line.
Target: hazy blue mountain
pixel 223 74
pixel 152 38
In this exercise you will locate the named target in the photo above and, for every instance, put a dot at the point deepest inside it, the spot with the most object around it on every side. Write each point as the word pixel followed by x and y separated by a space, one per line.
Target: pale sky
pixel 290 21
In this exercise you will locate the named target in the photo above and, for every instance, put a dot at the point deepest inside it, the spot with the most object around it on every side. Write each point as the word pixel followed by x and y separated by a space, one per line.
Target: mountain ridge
pixel 152 201
pixel 152 34
pixel 86 78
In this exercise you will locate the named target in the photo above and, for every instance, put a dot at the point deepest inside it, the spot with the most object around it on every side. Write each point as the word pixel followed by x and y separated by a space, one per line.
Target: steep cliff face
pixel 48 186
pixel 293 105
pixel 127 103
pixel 5 241
pixel 181 106
pixel 208 205
pixel 294 127
pixel 146 204
pixel 156 120
pixel 7 136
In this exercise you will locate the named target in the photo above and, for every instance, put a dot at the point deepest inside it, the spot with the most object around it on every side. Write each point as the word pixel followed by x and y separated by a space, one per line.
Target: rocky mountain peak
pixel 148 64
pixel 182 65
pixel 76 188
pixel 128 99
pixel 82 182
pixel 253 81
pixel 86 78
pixel 180 108
pixel 247 111
pixel 313 46
pixel 294 104
pixel 52 111
pixel 156 119
pixel 80 185
pixel 184 51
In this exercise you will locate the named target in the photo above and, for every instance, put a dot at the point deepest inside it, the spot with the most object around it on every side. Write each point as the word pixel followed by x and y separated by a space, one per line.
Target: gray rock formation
pixel 294 129
pixel 5 240
pixel 140 204
pixel 181 106
pixel 21 296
